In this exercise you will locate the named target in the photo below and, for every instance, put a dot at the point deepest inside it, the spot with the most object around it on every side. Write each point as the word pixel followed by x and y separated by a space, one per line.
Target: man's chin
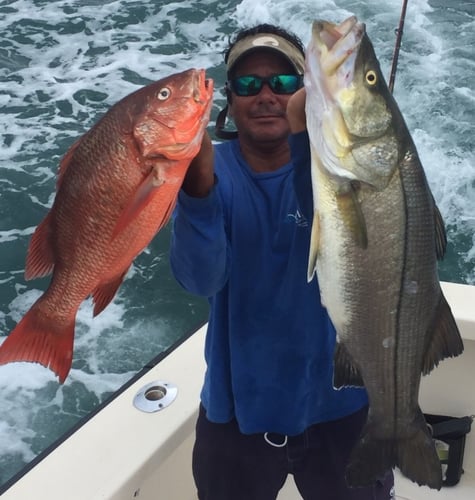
pixel 269 130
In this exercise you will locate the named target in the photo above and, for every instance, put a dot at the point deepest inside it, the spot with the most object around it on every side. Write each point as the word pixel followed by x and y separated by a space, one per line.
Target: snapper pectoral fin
pixel 314 245
pixel 353 217
pixel 144 194
pixel 138 202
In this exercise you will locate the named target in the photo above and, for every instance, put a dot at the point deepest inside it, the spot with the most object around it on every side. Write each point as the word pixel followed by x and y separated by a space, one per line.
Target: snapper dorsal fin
pixel 66 161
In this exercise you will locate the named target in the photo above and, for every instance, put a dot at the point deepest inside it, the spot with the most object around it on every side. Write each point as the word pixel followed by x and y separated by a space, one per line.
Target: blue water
pixel 64 63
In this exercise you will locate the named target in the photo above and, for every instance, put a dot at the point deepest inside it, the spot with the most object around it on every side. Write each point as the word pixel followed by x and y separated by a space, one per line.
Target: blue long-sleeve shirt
pixel 269 345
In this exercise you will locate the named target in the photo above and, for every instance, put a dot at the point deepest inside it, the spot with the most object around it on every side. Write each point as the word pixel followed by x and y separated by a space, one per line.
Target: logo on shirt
pixel 299 219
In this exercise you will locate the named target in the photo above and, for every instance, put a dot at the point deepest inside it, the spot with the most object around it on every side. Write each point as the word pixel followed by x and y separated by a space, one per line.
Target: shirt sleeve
pixel 199 247
pixel 300 153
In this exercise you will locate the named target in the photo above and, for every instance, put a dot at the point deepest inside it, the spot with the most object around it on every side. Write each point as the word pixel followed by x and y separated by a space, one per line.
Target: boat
pixel 138 444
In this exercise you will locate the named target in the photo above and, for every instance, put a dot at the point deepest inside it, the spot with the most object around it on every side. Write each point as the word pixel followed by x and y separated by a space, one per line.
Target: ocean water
pixel 64 63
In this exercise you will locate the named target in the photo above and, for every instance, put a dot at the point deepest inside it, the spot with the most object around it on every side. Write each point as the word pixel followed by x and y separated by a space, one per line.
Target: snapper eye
pixel 164 94
pixel 371 78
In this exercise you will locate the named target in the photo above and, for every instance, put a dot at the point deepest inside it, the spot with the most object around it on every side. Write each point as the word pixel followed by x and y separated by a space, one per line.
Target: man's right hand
pixel 296 111
pixel 199 179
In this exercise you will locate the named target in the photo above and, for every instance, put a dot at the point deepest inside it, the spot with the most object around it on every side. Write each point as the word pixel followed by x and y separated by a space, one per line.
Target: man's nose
pixel 266 92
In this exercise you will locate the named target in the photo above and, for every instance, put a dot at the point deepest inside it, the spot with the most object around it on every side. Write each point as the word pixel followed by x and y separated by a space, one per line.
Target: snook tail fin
pixel 39 340
pixel 415 455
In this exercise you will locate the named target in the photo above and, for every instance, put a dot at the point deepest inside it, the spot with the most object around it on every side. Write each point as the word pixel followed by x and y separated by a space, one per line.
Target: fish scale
pixel 117 186
pixel 376 236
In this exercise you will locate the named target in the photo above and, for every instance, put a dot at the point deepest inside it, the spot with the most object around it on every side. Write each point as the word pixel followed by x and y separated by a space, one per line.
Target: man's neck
pixel 266 157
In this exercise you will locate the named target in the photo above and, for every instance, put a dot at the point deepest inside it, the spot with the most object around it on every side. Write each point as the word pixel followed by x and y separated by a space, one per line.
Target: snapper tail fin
pixel 38 339
pixel 415 455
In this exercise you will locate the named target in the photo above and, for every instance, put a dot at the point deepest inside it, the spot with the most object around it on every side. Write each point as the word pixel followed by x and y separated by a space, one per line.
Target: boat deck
pixel 125 454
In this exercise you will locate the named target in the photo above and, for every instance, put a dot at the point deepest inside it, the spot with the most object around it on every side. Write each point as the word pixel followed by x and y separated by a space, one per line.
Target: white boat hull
pixel 123 453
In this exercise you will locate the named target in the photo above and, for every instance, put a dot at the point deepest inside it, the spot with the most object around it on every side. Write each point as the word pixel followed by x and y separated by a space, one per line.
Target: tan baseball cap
pixel 267 41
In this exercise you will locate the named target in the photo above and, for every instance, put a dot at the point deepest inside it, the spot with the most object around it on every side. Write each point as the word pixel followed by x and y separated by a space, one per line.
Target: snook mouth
pixel 337 46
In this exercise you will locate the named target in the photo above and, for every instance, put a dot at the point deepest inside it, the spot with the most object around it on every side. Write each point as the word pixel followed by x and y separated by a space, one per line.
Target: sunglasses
pixel 249 85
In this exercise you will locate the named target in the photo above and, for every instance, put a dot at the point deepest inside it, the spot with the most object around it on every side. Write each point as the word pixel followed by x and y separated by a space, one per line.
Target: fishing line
pixel 399 32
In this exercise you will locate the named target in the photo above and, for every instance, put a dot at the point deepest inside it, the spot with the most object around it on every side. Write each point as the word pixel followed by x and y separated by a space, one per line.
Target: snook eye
pixel 164 94
pixel 371 78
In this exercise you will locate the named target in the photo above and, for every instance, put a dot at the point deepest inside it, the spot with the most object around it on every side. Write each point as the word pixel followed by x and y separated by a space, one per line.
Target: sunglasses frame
pixel 260 80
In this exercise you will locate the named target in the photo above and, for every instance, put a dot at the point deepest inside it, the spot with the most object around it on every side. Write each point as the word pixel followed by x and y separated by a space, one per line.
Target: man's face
pixel 262 118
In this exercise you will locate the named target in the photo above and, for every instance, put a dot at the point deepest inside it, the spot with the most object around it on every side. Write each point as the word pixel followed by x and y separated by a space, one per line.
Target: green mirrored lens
pixel 247 85
pixel 284 84
pixel 250 85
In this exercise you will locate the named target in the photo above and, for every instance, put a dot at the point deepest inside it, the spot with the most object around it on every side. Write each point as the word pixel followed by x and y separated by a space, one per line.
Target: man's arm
pixel 199 254
pixel 300 152
pixel 296 112
pixel 199 179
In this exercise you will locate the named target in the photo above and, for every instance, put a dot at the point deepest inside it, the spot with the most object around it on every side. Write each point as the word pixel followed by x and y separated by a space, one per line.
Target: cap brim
pixel 270 42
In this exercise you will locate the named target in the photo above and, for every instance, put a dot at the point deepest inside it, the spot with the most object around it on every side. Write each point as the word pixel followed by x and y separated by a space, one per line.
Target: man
pixel 241 238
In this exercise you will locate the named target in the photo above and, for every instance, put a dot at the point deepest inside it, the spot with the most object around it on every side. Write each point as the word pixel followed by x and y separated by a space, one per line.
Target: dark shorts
pixel 229 465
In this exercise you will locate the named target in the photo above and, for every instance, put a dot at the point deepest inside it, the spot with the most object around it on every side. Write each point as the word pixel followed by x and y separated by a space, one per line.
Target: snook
pixel 376 237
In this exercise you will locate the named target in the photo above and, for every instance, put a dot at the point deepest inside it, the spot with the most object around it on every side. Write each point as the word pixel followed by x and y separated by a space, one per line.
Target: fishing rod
pixel 399 32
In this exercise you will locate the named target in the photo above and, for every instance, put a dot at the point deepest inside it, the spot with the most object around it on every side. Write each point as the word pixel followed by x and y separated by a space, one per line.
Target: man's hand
pixel 296 111
pixel 199 179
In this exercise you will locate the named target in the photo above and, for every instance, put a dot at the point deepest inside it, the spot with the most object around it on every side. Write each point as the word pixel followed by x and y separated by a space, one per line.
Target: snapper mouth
pixel 203 96
pixel 209 88
pixel 188 146
pixel 202 87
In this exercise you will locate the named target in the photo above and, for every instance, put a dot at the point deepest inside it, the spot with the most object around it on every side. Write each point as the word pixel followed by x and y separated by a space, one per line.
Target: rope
pixel 399 32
